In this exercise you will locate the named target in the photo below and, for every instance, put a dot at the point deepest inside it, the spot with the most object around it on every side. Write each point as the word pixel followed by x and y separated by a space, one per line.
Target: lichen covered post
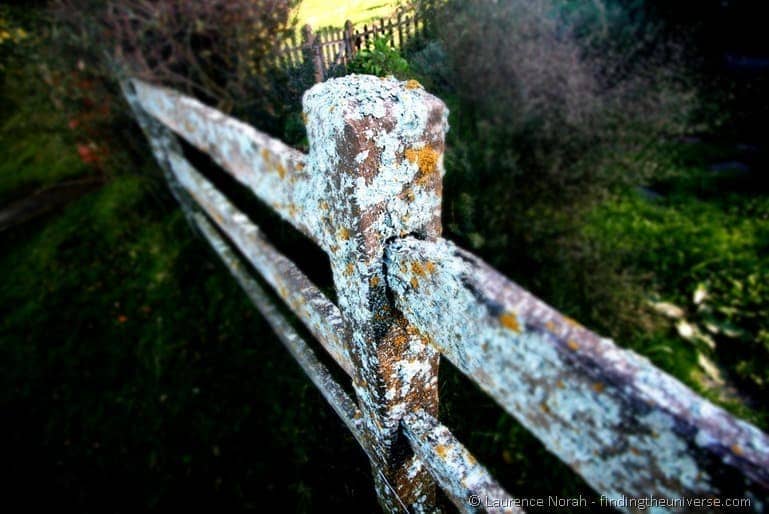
pixel 379 145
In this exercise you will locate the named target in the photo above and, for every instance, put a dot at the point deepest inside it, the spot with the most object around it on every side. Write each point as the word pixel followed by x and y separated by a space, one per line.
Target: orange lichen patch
pixel 349 269
pixel 559 384
pixel 323 205
pixel 736 450
pixel 373 281
pixel 299 166
pixel 572 344
pixel 426 159
pixel 550 326
pixel 418 269
pixel 344 233
pixel 543 406
pixel 357 415
pixel 265 155
pixel 510 322
pixel 410 196
pixel 423 269
pixel 413 84
pixel 572 322
pixel 414 283
pixel 400 340
pixel 442 450
pixel 635 451
pixel 598 387
pixel 281 170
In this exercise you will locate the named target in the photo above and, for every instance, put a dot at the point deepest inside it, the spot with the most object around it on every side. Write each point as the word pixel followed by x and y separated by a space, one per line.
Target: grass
pixel 135 368
pixel 325 13
pixel 136 373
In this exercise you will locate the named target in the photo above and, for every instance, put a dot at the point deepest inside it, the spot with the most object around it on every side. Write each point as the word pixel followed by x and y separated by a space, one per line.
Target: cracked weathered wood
pixel 271 169
pixel 372 178
pixel 464 480
pixel 377 145
pixel 374 172
pixel 625 426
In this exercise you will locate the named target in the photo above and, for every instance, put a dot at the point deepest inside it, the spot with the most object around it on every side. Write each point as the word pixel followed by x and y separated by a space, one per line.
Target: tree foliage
pixel 218 50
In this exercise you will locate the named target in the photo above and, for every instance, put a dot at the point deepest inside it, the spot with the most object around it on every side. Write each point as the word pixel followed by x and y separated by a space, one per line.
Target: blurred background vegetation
pixel 607 155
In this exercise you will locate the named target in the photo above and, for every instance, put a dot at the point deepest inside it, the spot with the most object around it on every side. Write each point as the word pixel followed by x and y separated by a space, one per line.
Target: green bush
pixel 708 259
pixel 555 106
pixel 381 60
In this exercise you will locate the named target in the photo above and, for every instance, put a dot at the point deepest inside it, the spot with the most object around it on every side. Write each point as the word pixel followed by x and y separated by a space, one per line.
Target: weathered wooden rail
pixel 369 194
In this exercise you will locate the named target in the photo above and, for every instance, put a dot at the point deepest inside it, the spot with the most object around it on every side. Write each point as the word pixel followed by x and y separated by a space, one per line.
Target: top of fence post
pixel 376 154
pixel 348 42
pixel 311 50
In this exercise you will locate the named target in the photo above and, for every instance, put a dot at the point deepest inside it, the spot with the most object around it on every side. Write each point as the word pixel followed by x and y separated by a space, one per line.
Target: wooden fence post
pixel 400 28
pixel 380 143
pixel 311 51
pixel 349 49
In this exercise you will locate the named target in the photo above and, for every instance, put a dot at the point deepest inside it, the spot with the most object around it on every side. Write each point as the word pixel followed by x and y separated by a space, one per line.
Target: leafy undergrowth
pixel 136 374
pixel 35 149
pixel 703 250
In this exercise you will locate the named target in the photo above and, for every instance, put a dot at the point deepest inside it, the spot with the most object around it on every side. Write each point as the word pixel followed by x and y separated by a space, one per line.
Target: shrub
pixel 574 91
pixel 217 50
pixel 555 106
pixel 706 258
pixel 381 60
pixel 12 36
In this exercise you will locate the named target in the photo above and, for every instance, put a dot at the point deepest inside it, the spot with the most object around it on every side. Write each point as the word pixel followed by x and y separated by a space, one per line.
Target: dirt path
pixel 45 200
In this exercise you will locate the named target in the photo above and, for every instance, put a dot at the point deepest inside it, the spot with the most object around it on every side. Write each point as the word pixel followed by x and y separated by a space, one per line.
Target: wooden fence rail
pixel 369 194
pixel 331 48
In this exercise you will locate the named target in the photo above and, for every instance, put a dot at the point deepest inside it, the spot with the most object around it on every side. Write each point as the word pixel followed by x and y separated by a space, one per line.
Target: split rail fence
pixel 332 48
pixel 369 194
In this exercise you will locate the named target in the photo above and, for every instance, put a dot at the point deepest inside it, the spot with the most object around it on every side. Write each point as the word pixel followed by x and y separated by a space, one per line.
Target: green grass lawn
pixel 328 13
